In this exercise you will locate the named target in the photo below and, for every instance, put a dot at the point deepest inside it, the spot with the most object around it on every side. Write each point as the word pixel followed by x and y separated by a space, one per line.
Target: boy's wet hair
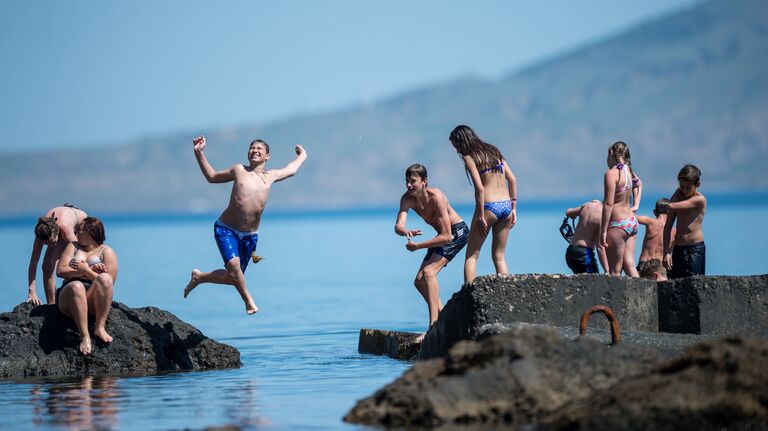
pixel 46 228
pixel 661 206
pixel 416 169
pixel 691 174
pixel 260 141
pixel 95 229
pixel 648 268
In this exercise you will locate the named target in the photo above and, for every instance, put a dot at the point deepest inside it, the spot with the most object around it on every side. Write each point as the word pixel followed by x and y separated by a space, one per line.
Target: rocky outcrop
pixel 515 378
pixel 40 341
pixel 395 344
pixel 545 299
pixel 715 385
pixel 720 305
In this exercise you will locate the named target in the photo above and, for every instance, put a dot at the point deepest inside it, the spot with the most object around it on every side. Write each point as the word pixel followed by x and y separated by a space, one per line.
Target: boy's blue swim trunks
pixel 460 235
pixel 233 243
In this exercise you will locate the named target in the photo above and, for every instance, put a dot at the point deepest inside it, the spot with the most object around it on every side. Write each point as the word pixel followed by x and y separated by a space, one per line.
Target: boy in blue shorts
pixel 237 229
pixel 431 204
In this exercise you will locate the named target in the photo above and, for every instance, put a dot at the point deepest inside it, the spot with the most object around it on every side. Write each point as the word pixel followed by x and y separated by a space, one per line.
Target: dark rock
pixel 546 299
pixel 721 305
pixel 40 341
pixel 514 378
pixel 664 344
pixel 721 384
pixel 397 345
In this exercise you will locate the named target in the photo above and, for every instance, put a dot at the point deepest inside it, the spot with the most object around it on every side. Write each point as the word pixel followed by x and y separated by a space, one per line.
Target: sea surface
pixel 324 276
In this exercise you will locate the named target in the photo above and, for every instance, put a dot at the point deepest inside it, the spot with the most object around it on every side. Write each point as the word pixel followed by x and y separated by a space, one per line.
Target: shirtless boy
pixel 653 242
pixel 687 207
pixel 54 230
pixel 580 255
pixel 237 229
pixel 452 233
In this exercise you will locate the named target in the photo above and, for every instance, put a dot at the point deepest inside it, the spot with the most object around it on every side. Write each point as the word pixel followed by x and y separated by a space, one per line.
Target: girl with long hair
pixel 495 198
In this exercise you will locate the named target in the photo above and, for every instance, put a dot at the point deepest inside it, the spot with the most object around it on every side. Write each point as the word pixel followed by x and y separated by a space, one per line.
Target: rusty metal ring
pixel 615 333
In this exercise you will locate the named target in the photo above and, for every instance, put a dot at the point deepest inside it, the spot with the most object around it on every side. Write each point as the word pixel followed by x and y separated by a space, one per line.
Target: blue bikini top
pixel 499 167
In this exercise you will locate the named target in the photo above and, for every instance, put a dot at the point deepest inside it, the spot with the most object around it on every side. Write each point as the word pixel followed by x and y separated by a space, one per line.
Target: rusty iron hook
pixel 615 333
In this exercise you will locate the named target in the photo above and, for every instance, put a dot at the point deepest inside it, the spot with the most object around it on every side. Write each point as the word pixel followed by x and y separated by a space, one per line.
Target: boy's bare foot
pixel 102 334
pixel 85 346
pixel 251 308
pixel 194 280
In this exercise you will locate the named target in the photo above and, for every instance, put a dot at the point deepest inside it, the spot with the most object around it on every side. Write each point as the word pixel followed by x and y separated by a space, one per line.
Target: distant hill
pixel 691 87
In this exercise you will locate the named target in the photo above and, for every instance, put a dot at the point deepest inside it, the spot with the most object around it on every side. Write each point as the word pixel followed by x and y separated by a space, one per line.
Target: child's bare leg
pixel 474 243
pixel 218 276
pixel 73 303
pixel 237 279
pixel 615 251
pixel 499 246
pixel 630 268
pixel 99 303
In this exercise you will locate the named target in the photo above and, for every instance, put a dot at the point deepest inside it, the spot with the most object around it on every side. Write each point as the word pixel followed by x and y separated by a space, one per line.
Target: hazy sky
pixel 77 73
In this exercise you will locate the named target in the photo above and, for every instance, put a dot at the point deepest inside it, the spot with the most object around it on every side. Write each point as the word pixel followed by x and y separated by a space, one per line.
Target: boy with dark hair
pixel 653 269
pixel 687 207
pixel 54 230
pixel 237 229
pixel 653 242
pixel 431 204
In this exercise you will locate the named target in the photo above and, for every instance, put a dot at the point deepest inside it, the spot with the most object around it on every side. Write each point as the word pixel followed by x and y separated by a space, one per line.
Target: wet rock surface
pixel 40 341
pixel 514 378
pixel 721 384
pixel 395 344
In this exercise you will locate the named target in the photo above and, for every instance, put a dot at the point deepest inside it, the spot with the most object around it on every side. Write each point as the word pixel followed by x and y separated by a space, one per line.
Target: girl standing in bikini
pixel 495 198
pixel 619 223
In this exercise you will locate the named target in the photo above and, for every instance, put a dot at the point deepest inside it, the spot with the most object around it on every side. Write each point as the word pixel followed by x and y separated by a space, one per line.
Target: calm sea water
pixel 323 278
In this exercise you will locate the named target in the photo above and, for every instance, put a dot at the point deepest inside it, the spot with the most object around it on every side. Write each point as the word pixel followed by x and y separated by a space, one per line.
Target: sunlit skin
pixel 77 302
pixel 653 241
pixel 66 219
pixel 615 207
pixel 686 207
pixel 431 205
pixel 250 190
pixel 587 233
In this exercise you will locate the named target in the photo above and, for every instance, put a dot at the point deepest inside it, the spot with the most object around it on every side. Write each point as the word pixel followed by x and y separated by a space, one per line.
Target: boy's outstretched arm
pixel 291 168
pixel 574 212
pixel 210 174
pixel 444 235
pixel 402 216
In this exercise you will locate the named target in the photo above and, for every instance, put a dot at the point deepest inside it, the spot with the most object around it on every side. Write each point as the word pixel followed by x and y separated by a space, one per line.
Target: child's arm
pixel 637 194
pixel 609 190
pixel 110 262
pixel 64 270
pixel 291 168
pixel 668 226
pixel 644 220
pixel 512 184
pixel 402 216
pixel 479 193
pixel 694 202
pixel 37 249
pixel 575 212
pixel 210 174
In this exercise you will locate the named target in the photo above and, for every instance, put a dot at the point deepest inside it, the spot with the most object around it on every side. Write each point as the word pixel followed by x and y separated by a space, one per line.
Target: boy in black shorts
pixel 431 204
pixel 688 255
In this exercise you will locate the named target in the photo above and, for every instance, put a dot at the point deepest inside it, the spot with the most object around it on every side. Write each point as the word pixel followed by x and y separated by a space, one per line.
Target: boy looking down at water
pixel 687 207
pixel 431 205
pixel 653 241
pixel 580 255
pixel 237 229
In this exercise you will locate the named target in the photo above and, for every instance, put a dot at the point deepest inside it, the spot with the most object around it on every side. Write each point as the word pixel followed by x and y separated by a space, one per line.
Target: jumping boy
pixel 431 204
pixel 54 230
pixel 580 255
pixel 687 206
pixel 653 241
pixel 237 229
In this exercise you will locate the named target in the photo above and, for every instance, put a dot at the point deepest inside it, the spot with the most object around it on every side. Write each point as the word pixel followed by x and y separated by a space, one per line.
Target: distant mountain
pixel 691 87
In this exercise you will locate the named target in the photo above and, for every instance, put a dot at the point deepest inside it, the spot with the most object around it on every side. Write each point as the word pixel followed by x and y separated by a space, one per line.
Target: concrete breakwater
pixel 502 355
pixel 40 341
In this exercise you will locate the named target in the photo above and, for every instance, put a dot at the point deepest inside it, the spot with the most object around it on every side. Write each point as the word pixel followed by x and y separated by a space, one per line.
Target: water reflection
pixel 90 403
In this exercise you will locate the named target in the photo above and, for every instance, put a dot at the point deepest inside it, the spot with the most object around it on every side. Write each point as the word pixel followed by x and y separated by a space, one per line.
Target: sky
pixel 92 73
